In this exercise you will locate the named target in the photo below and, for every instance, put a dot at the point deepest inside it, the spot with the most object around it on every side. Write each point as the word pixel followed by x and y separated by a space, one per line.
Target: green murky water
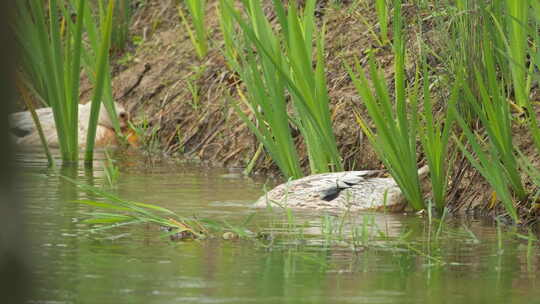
pixel 136 265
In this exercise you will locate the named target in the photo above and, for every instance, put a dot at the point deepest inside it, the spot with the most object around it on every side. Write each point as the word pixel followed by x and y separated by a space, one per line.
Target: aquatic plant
pixel 111 170
pixel 308 87
pixel 396 125
pixel 495 158
pixel 362 234
pixel 43 62
pixel 462 45
pixel 533 74
pixel 146 136
pixel 120 212
pixel 198 36
pixel 121 22
pixel 226 24
pixel 52 50
pixel 25 96
pixel 382 16
pixel 265 95
pixel 516 24
pixel 515 33
pixel 102 83
pixel 491 60
pixel 288 67
pixel 96 27
pixel 435 138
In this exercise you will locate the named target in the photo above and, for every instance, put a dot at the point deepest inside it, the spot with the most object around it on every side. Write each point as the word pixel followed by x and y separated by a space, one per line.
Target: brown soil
pixel 153 85
pixel 152 80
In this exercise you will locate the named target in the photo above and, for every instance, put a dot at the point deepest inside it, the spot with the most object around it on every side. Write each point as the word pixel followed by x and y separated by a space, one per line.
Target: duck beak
pixel 131 136
pixel 124 119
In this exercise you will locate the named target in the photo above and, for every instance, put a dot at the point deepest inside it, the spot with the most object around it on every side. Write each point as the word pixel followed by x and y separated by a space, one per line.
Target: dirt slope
pixel 158 74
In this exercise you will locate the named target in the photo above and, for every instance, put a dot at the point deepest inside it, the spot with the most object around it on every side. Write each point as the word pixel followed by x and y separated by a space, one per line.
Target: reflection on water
pixel 136 265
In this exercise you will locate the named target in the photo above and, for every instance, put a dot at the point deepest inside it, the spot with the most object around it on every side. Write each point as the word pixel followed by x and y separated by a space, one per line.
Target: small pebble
pixel 230 236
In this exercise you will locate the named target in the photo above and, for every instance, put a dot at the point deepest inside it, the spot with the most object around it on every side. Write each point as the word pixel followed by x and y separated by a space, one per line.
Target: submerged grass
pixel 121 212
pixel 111 170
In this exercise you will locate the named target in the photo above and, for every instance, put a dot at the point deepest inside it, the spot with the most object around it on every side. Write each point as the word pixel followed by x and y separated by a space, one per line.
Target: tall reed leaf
pixel 199 39
pixel 294 69
pixel 227 28
pixel 395 124
pixel 266 96
pixel 517 49
pixel 310 87
pixel 90 58
pixel 102 71
pixel 52 54
pixel 534 51
pixel 25 96
pixel 435 140
pixel 495 159
pixel 516 23
pixel 488 165
pixel 121 21
pixel 382 16
pixel 52 62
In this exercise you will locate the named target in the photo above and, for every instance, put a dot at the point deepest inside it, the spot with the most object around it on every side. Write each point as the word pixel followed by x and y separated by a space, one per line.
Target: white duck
pixel 24 132
pixel 350 190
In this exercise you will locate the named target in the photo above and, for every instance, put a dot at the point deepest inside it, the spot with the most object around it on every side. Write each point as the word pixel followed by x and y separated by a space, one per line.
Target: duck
pixel 24 133
pixel 339 191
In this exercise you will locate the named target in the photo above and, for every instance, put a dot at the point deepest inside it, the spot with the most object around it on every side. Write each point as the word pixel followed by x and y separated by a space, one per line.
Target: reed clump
pixel 396 123
pixel 281 68
pixel 489 77
pixel 55 46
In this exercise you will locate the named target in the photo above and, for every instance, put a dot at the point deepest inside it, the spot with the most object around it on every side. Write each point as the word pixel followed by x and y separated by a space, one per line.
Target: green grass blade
pixel 102 69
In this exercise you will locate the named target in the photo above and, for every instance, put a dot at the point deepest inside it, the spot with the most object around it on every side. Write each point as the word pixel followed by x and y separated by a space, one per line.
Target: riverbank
pixel 161 81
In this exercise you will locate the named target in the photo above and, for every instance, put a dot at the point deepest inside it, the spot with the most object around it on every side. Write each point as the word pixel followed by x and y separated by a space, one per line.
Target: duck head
pixel 105 119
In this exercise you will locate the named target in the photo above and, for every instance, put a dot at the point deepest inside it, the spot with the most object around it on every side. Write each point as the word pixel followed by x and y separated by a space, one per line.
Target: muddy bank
pixel 161 80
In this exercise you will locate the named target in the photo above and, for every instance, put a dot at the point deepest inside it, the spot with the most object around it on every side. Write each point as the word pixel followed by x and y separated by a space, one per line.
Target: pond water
pixel 406 261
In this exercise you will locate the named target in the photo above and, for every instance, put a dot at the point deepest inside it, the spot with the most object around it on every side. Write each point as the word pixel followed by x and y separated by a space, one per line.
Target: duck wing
pixel 345 180
pixel 21 123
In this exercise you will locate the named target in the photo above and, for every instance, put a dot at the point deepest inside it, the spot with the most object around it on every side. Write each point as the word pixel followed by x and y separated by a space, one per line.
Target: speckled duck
pixel 349 190
pixel 24 133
